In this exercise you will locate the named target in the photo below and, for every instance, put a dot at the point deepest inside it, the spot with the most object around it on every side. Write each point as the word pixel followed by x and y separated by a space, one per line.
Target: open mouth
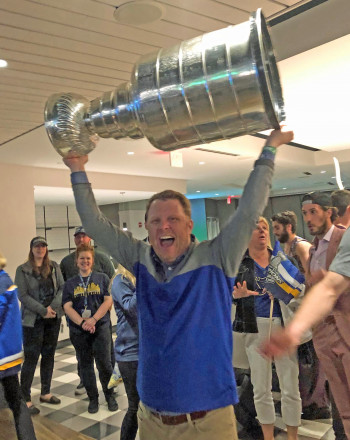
pixel 166 241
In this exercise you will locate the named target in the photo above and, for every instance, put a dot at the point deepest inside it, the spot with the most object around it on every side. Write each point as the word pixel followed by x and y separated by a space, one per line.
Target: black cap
pixel 318 198
pixel 37 240
pixel 79 230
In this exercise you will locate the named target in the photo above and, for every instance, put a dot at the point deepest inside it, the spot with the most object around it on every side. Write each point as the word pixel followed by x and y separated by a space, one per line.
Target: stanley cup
pixel 217 86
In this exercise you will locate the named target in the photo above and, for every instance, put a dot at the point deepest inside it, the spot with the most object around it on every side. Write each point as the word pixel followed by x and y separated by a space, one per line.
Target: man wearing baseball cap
pixel 101 263
pixel 69 269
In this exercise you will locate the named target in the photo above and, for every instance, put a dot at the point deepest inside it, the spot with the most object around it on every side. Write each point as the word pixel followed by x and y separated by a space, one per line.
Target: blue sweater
pixel 127 341
pixel 185 356
pixel 11 354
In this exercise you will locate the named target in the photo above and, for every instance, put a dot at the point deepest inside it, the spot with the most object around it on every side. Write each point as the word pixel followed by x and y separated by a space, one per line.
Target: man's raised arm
pixel 119 244
pixel 233 239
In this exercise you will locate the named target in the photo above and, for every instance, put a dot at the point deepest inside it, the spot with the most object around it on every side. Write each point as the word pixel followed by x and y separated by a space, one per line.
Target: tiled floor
pixel 72 412
pixel 105 425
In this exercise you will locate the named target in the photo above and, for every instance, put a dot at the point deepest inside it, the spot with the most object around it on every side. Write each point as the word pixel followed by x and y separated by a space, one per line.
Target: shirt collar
pixel 158 261
pixel 329 233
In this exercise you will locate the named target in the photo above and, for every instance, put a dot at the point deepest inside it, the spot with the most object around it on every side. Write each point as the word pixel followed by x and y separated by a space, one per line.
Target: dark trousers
pixel 90 347
pixel 312 379
pixel 39 340
pixel 13 396
pixel 128 370
pixel 112 356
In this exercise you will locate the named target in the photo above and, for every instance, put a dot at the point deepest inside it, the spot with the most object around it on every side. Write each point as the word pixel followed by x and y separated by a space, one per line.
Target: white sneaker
pixel 80 389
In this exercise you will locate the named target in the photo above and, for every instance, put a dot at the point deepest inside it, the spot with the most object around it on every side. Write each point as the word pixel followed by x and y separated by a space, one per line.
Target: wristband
pixel 94 318
pixel 81 324
pixel 268 153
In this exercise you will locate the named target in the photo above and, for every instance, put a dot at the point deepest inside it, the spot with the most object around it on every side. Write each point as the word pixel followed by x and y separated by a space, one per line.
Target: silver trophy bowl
pixel 217 86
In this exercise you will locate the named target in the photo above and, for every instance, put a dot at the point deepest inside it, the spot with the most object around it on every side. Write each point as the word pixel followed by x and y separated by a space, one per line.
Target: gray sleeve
pixel 229 246
pixel 121 245
pixel 341 262
pixel 24 296
pixel 108 267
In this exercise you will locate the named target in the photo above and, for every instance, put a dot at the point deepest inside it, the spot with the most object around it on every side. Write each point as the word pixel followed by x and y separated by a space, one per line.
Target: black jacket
pixel 245 320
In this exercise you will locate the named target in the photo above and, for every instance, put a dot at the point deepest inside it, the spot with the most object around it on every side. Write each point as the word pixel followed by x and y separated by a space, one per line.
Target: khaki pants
pixel 219 424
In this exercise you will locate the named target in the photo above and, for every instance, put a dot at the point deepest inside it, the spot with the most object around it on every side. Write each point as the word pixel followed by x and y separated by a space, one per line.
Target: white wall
pixel 17 224
pixel 134 220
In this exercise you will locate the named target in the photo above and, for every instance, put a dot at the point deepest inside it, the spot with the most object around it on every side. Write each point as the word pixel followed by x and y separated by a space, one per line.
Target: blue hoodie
pixel 11 354
pixel 127 342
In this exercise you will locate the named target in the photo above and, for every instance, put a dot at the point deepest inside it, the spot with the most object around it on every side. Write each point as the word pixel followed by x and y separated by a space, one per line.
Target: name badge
pixel 86 313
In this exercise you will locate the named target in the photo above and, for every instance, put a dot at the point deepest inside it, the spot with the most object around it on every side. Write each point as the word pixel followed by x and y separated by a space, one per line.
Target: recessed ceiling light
pixel 3 63
pixel 138 12
pixel 322 172
pixel 334 177
pixel 130 153
pixel 216 194
pixel 201 163
pixel 284 188
pixel 197 191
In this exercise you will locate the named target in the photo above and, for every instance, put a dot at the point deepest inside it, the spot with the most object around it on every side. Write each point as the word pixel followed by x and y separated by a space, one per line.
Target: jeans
pixel 13 396
pixel 39 340
pixel 128 370
pixel 89 347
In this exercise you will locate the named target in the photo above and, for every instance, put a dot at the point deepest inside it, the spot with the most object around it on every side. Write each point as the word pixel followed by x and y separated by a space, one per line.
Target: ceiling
pixel 77 46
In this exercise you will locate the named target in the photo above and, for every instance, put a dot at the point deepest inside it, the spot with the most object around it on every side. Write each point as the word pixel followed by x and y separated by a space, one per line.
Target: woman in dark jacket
pixel 127 345
pixel 40 284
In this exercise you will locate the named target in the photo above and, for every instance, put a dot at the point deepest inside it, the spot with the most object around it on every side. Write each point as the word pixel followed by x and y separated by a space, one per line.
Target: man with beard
pixel 327 300
pixel 312 380
pixel 284 229
pixel 319 216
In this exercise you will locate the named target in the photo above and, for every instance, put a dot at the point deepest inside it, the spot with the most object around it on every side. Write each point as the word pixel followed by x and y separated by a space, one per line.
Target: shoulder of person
pixel 68 257
pixel 54 264
pixel 100 275
pixel 72 280
pixel 101 255
pixel 25 267
pixel 5 281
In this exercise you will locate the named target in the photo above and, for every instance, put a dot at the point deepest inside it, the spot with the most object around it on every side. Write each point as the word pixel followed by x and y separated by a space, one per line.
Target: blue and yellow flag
pixel 284 280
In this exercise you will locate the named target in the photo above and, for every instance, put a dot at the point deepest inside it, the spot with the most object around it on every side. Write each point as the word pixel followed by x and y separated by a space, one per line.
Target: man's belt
pixel 180 418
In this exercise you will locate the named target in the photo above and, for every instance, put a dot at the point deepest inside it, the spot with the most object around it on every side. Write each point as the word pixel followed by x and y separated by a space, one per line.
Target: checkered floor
pixel 72 412
pixel 105 425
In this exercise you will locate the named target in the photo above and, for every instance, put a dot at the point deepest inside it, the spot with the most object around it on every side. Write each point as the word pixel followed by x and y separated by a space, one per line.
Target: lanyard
pixel 85 286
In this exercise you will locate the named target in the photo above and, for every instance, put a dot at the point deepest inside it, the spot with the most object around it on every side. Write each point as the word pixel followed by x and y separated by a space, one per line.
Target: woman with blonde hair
pixel 40 285
pixel 257 311
pixel 127 345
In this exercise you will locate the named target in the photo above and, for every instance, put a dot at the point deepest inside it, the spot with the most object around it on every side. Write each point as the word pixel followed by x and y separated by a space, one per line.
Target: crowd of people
pixel 173 298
